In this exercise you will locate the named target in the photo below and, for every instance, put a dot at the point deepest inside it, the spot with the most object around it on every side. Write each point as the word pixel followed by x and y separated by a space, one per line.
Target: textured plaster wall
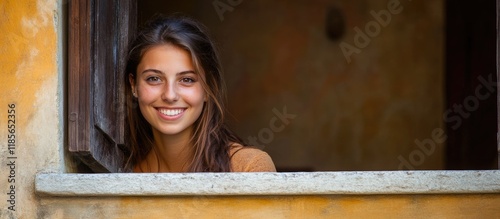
pixel 378 206
pixel 30 79
pixel 360 115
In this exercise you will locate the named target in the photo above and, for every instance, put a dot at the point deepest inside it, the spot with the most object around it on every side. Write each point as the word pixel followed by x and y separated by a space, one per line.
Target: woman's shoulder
pixel 250 159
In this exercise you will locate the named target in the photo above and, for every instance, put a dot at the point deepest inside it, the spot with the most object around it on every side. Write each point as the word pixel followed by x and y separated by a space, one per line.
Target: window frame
pixel 180 184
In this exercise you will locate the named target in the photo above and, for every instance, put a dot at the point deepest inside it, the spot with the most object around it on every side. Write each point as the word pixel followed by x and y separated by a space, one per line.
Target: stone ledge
pixel 298 183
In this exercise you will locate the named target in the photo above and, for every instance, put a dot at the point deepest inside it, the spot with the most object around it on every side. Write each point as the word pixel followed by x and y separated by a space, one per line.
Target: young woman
pixel 175 104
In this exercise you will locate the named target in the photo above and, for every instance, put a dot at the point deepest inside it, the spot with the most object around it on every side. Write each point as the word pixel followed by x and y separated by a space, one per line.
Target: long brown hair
pixel 211 137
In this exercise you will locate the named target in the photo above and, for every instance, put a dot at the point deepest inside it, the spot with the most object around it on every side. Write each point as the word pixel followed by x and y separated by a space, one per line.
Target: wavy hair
pixel 211 137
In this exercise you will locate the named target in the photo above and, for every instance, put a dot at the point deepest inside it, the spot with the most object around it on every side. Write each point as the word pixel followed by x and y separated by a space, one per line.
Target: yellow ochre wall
pixel 32 78
pixel 395 206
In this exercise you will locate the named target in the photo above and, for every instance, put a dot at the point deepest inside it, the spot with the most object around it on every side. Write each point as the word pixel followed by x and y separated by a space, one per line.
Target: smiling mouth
pixel 171 112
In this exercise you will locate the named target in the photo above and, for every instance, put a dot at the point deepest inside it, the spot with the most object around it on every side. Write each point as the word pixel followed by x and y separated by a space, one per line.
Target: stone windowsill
pixel 299 183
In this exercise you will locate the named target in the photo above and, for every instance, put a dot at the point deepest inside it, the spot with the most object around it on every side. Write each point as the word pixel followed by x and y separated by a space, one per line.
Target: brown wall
pixel 360 115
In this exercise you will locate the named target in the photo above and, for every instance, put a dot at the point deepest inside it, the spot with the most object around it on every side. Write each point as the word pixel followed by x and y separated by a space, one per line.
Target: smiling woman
pixel 168 91
pixel 174 76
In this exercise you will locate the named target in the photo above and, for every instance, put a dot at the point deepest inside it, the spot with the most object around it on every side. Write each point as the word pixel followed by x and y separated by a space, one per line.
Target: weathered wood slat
pixel 99 32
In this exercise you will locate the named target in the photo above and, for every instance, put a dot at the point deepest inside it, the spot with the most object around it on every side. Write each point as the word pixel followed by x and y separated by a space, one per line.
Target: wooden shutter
pixel 98 35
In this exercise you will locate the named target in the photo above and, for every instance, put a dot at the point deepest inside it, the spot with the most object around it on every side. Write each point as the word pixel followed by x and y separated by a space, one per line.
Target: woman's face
pixel 168 90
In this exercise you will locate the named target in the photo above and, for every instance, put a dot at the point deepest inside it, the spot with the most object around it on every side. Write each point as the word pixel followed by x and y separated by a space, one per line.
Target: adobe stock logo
pixel 221 7
pixel 266 135
pixel 372 29
pixel 459 112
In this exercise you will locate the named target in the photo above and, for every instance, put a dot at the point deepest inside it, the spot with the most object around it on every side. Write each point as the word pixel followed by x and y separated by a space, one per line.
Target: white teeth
pixel 171 112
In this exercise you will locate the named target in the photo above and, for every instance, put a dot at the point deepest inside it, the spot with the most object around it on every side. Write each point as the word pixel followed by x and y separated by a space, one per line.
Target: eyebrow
pixel 160 72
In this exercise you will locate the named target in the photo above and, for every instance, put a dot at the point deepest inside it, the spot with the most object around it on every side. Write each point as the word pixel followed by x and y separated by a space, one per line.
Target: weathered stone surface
pixel 315 183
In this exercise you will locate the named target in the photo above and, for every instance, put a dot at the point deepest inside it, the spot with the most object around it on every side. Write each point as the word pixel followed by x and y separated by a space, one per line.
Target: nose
pixel 170 93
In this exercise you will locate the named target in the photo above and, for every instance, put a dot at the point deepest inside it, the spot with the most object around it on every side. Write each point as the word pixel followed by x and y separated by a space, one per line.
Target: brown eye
pixel 153 79
pixel 187 80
